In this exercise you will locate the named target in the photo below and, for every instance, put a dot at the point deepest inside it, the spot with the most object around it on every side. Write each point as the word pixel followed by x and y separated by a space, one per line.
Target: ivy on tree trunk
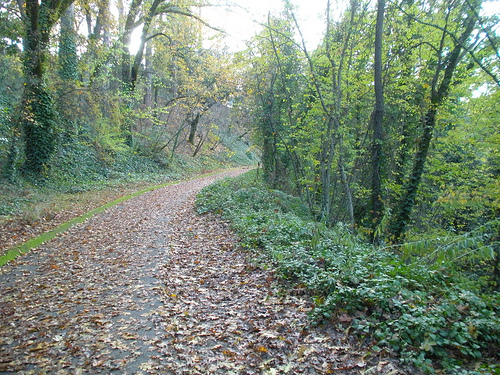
pixel 439 95
pixel 38 113
pixel 377 118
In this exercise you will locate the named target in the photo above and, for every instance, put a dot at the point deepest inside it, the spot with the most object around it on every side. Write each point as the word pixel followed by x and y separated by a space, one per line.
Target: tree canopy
pixel 389 127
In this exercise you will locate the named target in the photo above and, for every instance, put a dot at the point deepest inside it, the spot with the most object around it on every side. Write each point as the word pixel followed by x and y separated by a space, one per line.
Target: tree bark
pixel 378 113
pixel 148 95
pixel 125 43
pixel 348 193
pixel 134 72
pixel 439 94
pixel 38 113
pixel 68 59
pixel 193 127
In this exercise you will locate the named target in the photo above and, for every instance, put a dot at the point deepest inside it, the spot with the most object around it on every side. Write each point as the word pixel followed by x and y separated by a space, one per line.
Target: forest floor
pixel 150 287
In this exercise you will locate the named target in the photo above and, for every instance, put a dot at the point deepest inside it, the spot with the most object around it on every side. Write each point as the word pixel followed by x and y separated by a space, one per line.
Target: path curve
pixel 149 287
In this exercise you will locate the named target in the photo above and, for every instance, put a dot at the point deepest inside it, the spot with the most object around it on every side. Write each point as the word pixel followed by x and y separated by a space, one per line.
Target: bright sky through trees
pixel 241 20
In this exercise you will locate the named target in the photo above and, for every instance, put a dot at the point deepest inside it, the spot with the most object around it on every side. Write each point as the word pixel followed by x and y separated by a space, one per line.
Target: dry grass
pixel 38 212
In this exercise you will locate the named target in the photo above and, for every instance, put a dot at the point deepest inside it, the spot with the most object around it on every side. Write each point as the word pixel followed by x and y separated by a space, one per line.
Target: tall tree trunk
pixel 128 28
pixel 193 127
pixel 347 189
pixel 297 169
pixel 134 72
pixel 101 29
pixel 148 73
pixel 98 33
pixel 68 71
pixel 68 59
pixel 125 43
pixel 269 150
pixel 439 94
pixel 38 115
pixel 405 208
pixel 377 118
pixel 326 164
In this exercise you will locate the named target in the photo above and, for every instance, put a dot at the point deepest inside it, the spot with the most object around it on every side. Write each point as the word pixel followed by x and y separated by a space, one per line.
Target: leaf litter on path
pixel 149 287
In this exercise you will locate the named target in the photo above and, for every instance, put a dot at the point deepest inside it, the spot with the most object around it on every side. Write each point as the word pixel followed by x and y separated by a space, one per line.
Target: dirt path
pixel 149 287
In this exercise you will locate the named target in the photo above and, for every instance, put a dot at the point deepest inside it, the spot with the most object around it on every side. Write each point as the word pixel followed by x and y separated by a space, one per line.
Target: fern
pixel 452 251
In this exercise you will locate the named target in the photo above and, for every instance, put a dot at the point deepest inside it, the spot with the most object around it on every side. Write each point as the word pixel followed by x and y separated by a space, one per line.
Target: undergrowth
pixel 78 171
pixel 432 316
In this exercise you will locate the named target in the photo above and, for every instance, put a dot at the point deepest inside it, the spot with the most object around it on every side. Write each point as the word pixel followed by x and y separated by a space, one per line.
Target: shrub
pixel 432 316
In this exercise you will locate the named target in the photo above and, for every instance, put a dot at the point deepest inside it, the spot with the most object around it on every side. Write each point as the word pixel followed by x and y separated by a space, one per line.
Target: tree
pixel 448 55
pixel 150 11
pixel 11 86
pixel 68 59
pixel 38 116
pixel 330 68
pixel 130 73
pixel 276 76
pixel 378 113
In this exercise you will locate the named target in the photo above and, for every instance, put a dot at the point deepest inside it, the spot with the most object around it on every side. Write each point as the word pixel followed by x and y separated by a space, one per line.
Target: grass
pixel 30 207
pixel 46 236
pixel 66 186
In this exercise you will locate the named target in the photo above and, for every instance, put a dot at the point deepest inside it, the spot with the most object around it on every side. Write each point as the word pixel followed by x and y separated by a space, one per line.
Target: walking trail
pixel 150 287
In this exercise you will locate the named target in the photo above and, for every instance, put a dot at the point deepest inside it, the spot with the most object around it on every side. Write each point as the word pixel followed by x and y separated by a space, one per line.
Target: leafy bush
pixel 4 133
pixel 432 316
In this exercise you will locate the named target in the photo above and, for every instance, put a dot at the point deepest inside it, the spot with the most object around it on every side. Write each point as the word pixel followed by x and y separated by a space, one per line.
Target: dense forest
pixel 78 105
pixel 389 125
pixel 389 128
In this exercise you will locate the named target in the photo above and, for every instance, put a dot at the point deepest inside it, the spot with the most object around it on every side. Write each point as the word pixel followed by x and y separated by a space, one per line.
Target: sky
pixel 241 21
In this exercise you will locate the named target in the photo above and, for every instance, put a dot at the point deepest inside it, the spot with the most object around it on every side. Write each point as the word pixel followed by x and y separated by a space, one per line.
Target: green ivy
pixel 40 128
pixel 432 316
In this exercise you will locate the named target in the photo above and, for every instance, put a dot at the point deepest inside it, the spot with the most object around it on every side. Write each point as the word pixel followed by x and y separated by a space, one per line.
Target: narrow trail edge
pixel 25 247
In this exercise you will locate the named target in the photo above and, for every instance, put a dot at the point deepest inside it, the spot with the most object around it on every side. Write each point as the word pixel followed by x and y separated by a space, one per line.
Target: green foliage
pixel 462 182
pixel 76 166
pixel 311 112
pixel 68 59
pixel 239 152
pixel 431 314
pixel 108 140
pixel 477 244
pixel 276 83
pixel 10 93
pixel 10 29
pixel 40 127
pixel 4 131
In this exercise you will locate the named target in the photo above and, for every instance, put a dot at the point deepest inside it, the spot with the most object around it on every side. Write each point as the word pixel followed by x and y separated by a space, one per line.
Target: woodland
pixel 377 153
